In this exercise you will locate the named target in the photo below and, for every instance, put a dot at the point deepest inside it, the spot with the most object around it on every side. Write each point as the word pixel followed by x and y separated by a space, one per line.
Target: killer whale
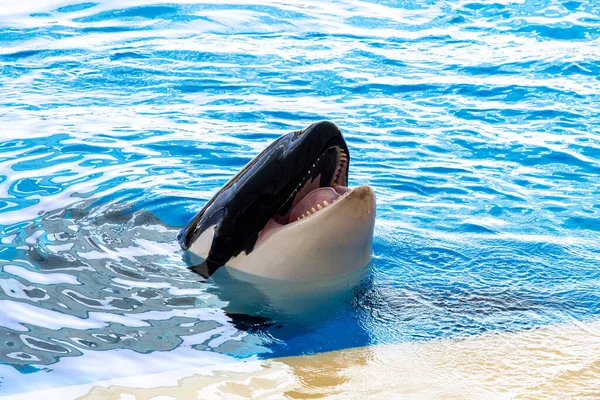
pixel 288 214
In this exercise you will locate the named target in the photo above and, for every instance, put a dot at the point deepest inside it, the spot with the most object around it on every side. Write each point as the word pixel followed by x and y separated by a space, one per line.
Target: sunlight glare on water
pixel 475 122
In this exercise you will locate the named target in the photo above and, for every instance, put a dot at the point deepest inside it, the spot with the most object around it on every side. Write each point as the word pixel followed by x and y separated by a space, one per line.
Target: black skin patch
pixel 263 189
pixel 205 268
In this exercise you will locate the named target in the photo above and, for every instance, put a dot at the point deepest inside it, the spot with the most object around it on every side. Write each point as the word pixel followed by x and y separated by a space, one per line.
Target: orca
pixel 288 214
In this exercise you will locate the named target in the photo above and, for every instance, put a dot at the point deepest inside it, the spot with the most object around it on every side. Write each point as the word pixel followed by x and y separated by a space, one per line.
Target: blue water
pixel 477 124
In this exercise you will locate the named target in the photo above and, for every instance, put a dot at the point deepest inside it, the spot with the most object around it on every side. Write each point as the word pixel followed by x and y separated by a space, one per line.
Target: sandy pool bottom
pixel 560 361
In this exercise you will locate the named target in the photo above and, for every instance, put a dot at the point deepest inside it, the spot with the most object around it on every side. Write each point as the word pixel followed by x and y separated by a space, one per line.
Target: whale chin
pixel 336 240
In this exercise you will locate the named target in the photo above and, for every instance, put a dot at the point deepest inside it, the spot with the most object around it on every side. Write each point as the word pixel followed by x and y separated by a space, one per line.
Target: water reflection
pixel 297 306
pixel 100 278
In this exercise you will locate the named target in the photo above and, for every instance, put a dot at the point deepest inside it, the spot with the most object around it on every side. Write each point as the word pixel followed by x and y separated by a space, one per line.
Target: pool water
pixel 476 123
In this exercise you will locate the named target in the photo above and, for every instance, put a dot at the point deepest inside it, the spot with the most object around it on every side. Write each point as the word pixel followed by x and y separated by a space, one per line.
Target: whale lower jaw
pixel 334 241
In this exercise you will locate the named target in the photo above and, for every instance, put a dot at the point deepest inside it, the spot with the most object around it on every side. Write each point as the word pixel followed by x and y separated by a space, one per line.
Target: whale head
pixel 288 214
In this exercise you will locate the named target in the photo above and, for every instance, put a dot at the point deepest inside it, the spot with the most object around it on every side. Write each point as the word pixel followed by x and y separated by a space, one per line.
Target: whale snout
pixel 362 201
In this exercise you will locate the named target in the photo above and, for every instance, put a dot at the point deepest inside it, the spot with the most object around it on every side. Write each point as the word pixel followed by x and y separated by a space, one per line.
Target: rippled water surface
pixel 477 124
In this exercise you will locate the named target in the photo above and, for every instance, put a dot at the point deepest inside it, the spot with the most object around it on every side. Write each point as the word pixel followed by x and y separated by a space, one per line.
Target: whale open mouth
pixel 321 186
pixel 298 182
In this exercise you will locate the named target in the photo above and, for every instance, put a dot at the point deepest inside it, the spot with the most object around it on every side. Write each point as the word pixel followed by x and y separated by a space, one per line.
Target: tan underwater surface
pixel 560 361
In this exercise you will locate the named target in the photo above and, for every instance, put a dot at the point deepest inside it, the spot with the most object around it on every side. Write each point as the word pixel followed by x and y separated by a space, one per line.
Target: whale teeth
pixel 343 158
pixel 313 210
